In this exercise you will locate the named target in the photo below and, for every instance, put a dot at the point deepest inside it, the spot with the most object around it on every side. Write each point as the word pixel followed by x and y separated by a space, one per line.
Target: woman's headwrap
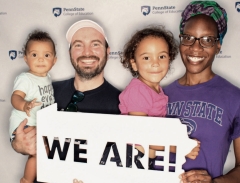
pixel 210 8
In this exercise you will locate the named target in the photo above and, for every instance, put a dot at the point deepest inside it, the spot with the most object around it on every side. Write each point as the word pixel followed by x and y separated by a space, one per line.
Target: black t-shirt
pixel 103 99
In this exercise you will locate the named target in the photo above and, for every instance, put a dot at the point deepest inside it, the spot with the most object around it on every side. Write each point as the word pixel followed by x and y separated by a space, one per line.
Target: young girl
pixel 148 55
pixel 33 89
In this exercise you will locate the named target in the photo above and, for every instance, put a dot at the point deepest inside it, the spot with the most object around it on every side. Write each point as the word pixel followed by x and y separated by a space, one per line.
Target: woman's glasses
pixel 76 97
pixel 205 41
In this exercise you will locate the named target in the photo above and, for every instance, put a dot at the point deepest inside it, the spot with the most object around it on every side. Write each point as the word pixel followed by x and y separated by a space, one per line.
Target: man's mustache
pixel 89 57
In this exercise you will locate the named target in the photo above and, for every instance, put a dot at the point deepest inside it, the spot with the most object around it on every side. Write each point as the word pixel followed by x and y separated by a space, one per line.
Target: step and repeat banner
pixel 120 19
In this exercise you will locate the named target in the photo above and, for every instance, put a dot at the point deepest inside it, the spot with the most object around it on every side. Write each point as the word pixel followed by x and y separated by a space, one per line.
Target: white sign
pixel 98 130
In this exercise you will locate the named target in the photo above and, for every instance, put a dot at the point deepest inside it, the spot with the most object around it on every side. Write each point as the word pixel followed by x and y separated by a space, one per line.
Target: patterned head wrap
pixel 210 8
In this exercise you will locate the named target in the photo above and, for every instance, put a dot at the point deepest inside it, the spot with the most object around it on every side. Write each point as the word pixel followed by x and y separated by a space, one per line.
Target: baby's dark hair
pixel 157 31
pixel 38 35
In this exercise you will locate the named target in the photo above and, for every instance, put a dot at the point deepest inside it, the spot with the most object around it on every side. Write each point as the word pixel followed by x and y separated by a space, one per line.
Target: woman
pixel 207 103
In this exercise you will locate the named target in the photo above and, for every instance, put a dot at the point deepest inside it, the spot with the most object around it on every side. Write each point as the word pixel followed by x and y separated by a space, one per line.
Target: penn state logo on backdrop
pixel 145 10
pixel 223 54
pixel 12 54
pixel 191 125
pixel 20 54
pixel 57 12
pixel 237 6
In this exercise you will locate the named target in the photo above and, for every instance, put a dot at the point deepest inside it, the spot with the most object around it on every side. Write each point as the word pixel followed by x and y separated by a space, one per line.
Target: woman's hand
pixel 196 176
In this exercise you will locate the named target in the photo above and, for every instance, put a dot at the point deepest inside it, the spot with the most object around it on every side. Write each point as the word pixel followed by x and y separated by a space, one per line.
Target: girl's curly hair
pixel 157 31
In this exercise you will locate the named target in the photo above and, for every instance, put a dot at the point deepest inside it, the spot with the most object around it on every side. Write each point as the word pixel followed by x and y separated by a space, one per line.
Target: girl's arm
pixel 137 113
pixel 233 175
pixel 194 153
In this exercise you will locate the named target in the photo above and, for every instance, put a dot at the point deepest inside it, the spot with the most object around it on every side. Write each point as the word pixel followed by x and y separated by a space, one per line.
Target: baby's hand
pixel 194 153
pixel 29 105
pixel 77 181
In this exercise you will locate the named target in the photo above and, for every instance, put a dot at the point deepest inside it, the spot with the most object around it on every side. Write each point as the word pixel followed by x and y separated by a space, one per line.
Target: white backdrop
pixel 119 19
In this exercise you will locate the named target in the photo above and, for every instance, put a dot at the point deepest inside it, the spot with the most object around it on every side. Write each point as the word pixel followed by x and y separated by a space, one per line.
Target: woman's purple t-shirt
pixel 211 111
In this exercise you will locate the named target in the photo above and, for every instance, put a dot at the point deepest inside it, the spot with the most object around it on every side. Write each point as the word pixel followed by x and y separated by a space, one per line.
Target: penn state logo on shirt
pixel 191 125
pixel 237 6
pixel 57 12
pixel 145 10
pixel 12 54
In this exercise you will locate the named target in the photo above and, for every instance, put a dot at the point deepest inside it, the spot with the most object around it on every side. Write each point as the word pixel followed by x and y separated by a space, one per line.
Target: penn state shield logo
pixel 145 10
pixel 191 125
pixel 57 11
pixel 12 54
pixel 237 6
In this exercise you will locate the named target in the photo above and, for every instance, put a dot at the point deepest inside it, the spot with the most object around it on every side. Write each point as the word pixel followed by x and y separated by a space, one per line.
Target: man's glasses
pixel 76 97
pixel 205 41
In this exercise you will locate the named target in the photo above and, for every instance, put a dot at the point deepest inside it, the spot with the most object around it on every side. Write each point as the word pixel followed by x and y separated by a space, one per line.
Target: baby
pixel 33 89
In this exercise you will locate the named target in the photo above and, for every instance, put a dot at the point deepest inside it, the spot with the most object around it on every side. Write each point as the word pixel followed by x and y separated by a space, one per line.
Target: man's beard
pixel 88 73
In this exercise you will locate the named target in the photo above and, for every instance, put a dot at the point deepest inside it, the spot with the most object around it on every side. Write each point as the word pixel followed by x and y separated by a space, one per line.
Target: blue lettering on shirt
pixel 197 109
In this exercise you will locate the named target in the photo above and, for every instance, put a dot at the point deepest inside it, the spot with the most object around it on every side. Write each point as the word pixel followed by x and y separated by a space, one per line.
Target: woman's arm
pixel 233 176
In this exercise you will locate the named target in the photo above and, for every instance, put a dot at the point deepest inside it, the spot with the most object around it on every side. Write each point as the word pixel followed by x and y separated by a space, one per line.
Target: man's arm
pixel 24 143
pixel 232 176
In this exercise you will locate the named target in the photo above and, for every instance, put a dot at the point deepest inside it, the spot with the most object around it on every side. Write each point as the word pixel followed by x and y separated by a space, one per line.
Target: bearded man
pixel 88 91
